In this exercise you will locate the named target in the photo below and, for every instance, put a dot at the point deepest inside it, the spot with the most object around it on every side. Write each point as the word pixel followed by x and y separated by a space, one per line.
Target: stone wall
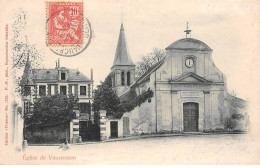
pixel 236 116
pixel 141 121
pixel 141 118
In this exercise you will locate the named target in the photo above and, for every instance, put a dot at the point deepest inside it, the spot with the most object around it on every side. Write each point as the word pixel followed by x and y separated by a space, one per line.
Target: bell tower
pixel 123 69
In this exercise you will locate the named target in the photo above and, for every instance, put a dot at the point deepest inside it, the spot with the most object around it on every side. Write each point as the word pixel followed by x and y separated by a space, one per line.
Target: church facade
pixel 189 91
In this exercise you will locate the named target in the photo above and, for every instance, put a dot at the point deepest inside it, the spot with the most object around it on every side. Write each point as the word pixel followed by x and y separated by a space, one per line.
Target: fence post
pixel 103 120
pixel 71 131
pixel 74 129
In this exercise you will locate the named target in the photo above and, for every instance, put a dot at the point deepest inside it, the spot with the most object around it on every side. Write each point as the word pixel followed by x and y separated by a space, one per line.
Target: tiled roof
pixel 189 44
pixel 52 75
pixel 122 56
pixel 75 75
pixel 45 74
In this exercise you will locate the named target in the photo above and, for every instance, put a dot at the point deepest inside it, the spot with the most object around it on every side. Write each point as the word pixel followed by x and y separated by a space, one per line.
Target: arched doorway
pixel 190 116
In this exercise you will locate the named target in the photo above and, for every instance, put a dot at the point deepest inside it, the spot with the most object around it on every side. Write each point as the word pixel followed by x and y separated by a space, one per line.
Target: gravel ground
pixel 195 149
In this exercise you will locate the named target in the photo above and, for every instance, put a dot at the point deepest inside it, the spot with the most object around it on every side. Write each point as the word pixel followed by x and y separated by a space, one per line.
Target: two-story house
pixel 37 83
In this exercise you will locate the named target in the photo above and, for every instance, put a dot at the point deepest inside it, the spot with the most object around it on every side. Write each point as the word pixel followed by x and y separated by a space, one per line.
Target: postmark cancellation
pixel 68 31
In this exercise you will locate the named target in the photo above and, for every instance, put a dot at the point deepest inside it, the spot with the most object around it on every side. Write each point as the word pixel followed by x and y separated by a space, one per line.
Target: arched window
pixel 123 78
pixel 128 78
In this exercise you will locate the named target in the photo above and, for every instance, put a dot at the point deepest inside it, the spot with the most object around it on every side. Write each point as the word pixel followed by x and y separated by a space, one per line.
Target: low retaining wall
pixel 47 135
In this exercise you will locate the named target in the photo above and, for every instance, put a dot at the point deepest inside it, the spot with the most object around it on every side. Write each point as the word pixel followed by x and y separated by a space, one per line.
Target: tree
pixel 148 60
pixel 51 110
pixel 108 81
pixel 21 49
pixel 106 99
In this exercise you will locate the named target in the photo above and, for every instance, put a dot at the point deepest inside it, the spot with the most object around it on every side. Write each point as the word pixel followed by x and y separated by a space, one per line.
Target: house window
pixel 27 107
pixel 123 78
pixel 42 90
pixel 88 90
pixel 63 90
pixel 52 90
pixel 83 90
pixel 63 76
pixel 128 78
pixel 73 90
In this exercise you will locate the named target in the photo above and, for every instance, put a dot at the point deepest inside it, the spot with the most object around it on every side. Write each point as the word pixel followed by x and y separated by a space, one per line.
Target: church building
pixel 188 91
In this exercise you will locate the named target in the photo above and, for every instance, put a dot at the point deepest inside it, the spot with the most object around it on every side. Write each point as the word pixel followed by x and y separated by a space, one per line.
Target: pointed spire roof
pixel 122 56
pixel 27 78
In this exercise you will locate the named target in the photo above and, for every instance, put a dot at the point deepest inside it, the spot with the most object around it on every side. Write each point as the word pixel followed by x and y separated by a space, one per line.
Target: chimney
pixel 58 63
pixel 91 74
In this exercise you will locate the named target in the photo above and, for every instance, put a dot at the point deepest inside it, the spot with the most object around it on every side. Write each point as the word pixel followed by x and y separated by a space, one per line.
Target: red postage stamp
pixel 65 23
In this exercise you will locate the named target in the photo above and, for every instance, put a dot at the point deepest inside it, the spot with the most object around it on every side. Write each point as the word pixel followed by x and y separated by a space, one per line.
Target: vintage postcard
pixel 123 82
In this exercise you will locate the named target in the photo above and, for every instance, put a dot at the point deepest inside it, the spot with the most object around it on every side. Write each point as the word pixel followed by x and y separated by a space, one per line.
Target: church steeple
pixel 122 56
pixel 123 69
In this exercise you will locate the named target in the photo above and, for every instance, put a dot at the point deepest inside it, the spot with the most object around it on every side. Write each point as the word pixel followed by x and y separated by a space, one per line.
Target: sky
pixel 230 28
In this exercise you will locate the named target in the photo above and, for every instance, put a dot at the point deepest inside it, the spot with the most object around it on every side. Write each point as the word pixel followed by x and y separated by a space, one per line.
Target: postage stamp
pixel 66 23
pixel 68 31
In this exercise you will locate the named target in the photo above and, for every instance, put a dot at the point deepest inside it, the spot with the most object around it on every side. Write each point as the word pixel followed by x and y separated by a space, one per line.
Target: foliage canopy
pixel 51 110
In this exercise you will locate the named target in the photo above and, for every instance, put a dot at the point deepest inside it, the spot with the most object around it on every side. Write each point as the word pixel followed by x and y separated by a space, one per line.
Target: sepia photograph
pixel 126 82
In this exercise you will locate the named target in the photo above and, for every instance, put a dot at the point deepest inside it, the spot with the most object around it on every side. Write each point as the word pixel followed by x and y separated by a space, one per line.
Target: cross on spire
pixel 187 31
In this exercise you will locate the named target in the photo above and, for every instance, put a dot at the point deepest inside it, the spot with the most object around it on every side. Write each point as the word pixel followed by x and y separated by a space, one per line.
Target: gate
pixel 89 131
